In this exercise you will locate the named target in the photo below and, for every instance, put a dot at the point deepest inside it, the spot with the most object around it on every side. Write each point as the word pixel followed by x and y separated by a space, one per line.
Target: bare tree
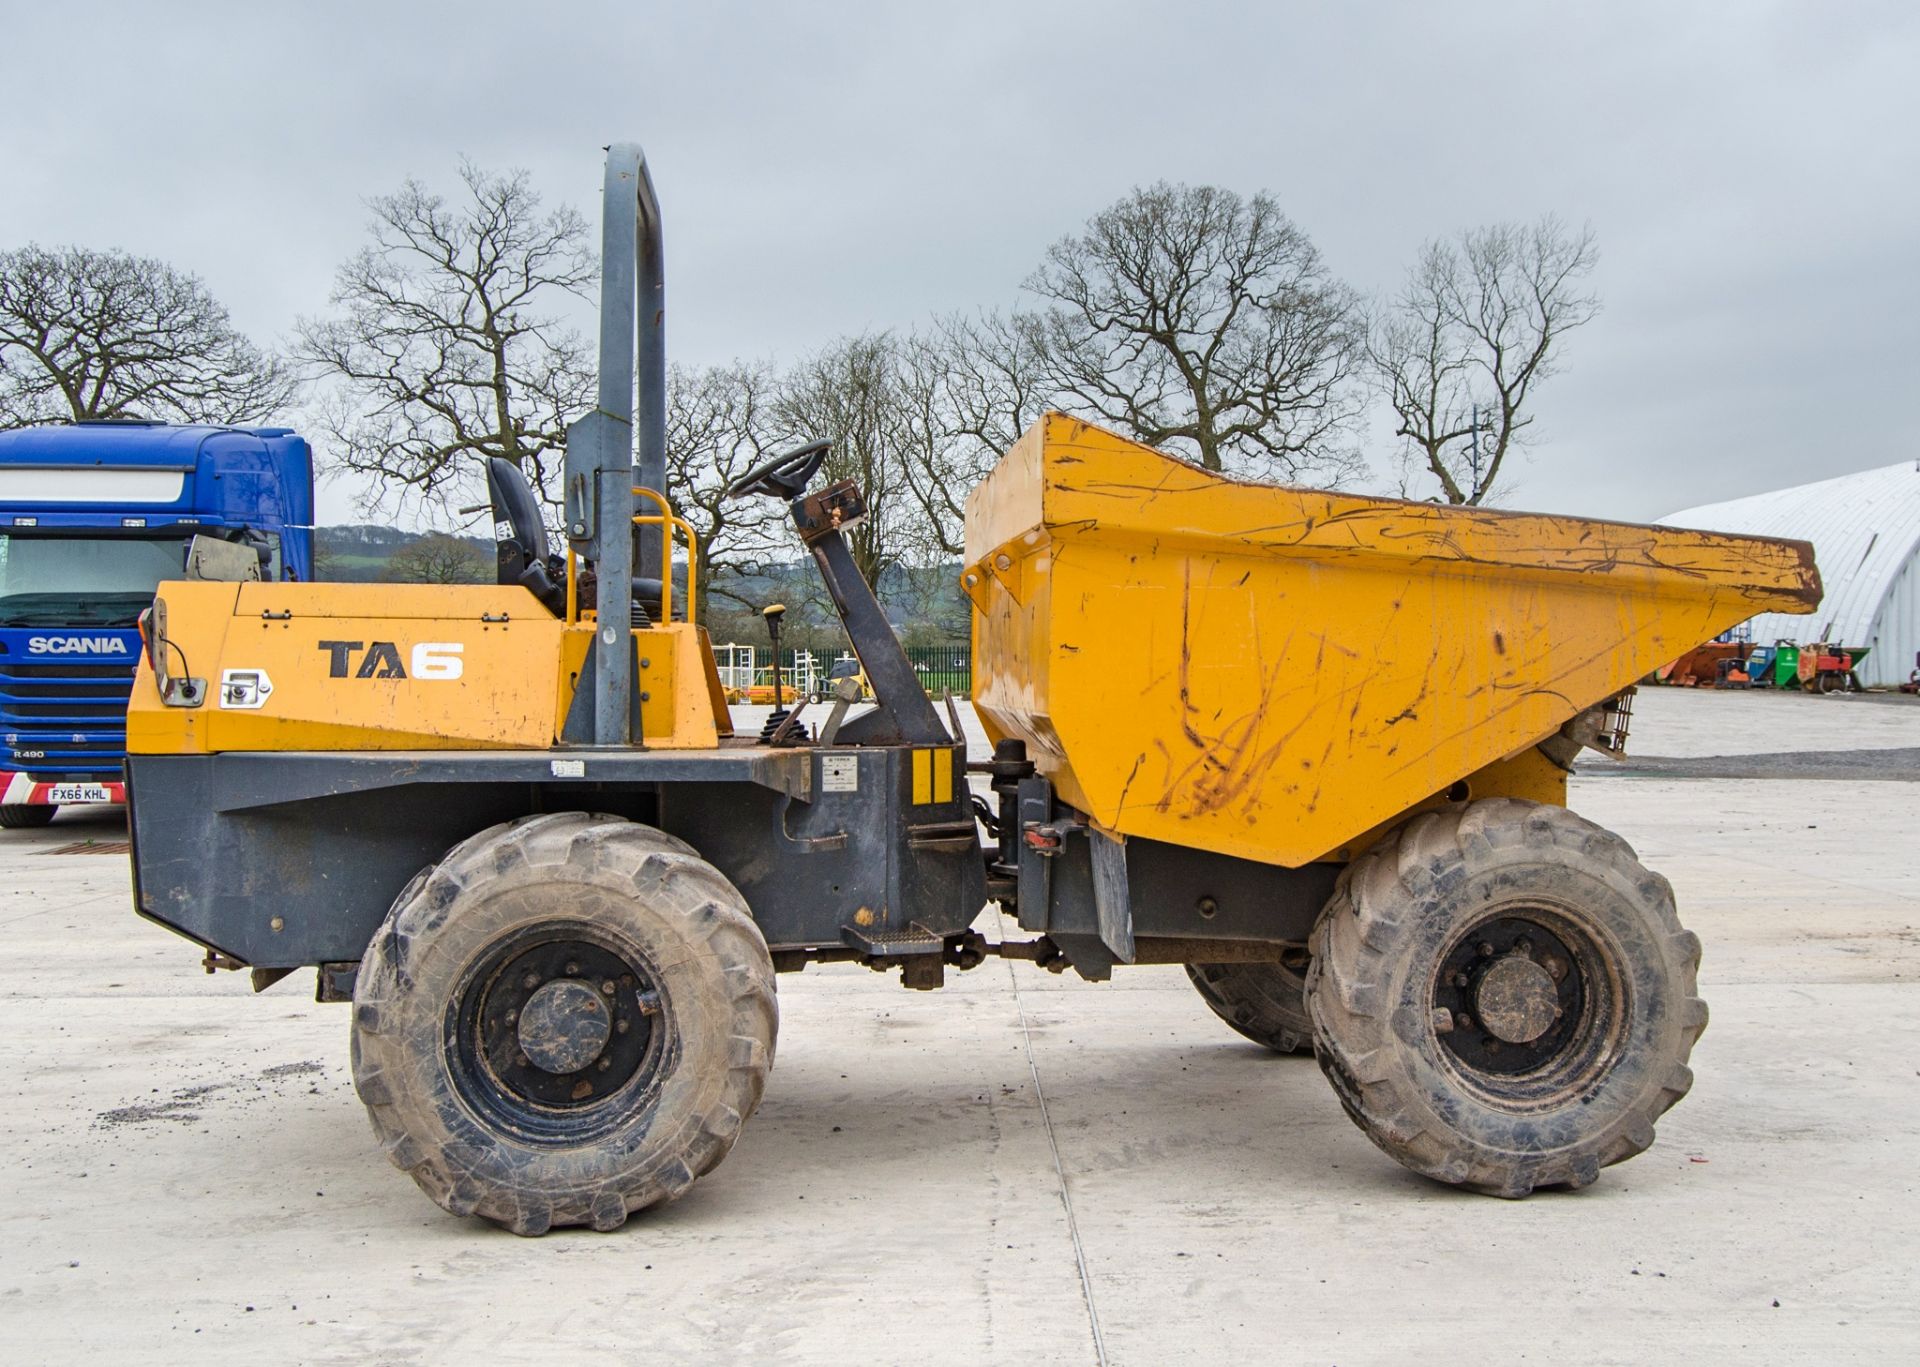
pixel 1208 324
pixel 850 393
pixel 1475 328
pixel 438 558
pixel 103 334
pixel 721 422
pixel 915 420
pixel 902 417
pixel 969 387
pixel 446 345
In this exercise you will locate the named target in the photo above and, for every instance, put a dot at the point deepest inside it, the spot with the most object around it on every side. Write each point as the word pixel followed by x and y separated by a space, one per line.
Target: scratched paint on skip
pixel 1292 667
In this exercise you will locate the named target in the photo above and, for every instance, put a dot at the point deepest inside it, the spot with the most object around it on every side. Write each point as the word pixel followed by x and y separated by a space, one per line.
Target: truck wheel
pixel 18 816
pixel 1264 1002
pixel 568 1019
pixel 1502 997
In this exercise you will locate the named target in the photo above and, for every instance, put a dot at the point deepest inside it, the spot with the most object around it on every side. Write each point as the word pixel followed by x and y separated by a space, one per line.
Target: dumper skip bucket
pixel 1270 672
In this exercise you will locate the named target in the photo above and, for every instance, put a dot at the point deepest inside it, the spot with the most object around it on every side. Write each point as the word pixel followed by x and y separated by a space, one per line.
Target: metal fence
pixel 941 669
pixel 944 669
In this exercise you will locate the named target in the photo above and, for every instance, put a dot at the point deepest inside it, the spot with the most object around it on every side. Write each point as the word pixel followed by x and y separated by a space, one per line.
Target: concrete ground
pixel 1022 1168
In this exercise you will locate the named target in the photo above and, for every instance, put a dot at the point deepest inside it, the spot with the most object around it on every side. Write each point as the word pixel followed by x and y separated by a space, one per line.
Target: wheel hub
pixel 553 1021
pixel 564 1026
pixel 1510 996
pixel 1516 1000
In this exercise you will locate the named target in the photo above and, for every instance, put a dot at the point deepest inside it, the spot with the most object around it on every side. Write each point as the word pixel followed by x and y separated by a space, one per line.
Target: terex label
pixel 839 773
pixel 381 660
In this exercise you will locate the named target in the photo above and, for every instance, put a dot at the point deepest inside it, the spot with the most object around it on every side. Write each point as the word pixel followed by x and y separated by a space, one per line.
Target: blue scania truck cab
pixel 93 515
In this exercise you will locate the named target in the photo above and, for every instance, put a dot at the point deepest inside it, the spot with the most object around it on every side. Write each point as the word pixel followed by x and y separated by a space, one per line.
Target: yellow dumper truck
pixel 1312 746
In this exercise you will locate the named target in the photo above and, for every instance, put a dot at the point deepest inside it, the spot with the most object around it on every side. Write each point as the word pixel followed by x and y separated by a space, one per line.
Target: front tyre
pixel 568 1019
pixel 18 816
pixel 1503 998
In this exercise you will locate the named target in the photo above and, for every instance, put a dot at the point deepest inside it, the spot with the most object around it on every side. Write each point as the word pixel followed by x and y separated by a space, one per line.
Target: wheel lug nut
pixel 530 981
pixel 1523 945
pixel 1459 980
pixel 607 987
pixel 604 1063
pixel 520 1060
pixel 1464 1021
pixel 1442 1021
pixel 1486 950
pixel 1556 968
pixel 572 969
pixel 623 1025
pixel 512 1016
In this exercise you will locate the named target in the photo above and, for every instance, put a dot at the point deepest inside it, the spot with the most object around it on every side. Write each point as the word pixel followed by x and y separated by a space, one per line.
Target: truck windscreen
pixel 57 580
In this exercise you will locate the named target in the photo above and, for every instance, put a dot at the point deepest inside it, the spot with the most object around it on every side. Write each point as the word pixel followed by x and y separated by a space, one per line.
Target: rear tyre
pixel 1503 998
pixel 18 816
pixel 568 1019
pixel 1265 1002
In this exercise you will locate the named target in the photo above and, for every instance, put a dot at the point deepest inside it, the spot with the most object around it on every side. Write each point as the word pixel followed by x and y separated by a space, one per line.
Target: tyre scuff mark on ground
pixel 186 1103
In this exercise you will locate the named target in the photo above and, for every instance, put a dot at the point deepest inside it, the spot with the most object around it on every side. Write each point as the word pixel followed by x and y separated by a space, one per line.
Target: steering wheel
pixel 785 476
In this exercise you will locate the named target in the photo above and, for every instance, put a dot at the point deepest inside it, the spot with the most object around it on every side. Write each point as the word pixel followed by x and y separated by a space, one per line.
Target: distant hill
pixel 358 553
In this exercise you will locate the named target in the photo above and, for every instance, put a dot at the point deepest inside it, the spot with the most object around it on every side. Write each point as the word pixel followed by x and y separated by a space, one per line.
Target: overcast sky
pixel 1750 170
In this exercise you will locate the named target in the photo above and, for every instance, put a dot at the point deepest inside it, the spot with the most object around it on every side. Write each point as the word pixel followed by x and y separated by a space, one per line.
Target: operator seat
pixel 522 555
pixel 520 537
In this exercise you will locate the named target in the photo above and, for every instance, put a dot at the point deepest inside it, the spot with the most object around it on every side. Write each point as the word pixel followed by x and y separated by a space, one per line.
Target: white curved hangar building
pixel 1865 530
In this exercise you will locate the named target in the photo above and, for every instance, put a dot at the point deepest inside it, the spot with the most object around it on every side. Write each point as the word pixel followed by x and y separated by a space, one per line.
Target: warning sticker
pixel 839 773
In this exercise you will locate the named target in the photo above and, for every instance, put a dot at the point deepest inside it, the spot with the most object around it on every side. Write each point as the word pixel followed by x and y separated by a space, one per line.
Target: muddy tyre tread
pixel 1264 1002
pixel 1377 902
pixel 386 1040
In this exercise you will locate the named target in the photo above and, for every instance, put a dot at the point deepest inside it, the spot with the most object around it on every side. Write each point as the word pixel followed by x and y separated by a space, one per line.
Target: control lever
pixel 846 692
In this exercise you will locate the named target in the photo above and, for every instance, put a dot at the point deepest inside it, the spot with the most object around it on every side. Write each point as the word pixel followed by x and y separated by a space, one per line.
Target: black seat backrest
pixel 519 534
pixel 516 514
